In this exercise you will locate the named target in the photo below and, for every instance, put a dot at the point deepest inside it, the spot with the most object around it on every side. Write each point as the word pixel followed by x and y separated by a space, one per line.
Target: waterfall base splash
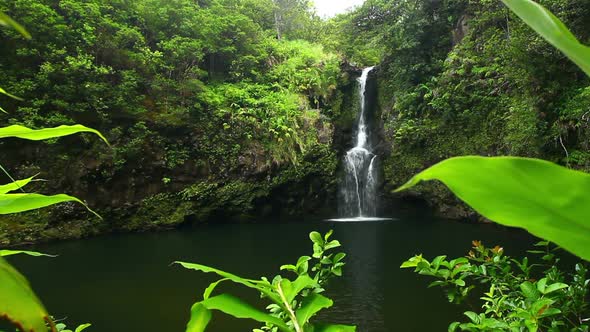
pixel 360 219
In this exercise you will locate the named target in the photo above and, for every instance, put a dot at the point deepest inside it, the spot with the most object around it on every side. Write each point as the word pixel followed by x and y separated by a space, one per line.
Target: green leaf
pixel 4 253
pixel 414 262
pixel 46 133
pixel 235 307
pixel 549 201
pixel 82 327
pixel 472 316
pixel 263 287
pixel 293 288
pixel 555 287
pixel 5 20
pixel 4 92
pixel 211 288
pixel 529 290
pixel 460 282
pixel 553 30
pixel 332 244
pixel 18 303
pixel 16 185
pixel 289 267
pixel 333 328
pixel 15 203
pixel 310 306
pixel 541 285
pixel 200 317
pixel 453 327
pixel 316 237
pixel 338 257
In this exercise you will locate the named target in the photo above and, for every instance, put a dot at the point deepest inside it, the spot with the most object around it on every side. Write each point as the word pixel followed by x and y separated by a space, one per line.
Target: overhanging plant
pixel 18 303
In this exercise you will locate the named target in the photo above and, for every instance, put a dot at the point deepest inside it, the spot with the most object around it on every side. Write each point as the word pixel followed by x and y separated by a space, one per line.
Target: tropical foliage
pixel 293 302
pixel 518 295
pixel 187 92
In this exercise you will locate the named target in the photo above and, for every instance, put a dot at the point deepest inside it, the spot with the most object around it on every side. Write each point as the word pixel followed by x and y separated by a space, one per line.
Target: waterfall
pixel 359 188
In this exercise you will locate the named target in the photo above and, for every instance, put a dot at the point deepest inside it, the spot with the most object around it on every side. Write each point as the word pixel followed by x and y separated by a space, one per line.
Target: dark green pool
pixel 125 282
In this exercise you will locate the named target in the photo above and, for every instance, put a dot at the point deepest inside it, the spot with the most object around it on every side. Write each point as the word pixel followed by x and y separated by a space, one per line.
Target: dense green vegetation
pixel 203 106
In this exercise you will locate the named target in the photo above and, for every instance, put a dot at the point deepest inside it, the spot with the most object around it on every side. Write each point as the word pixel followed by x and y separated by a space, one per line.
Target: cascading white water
pixel 359 188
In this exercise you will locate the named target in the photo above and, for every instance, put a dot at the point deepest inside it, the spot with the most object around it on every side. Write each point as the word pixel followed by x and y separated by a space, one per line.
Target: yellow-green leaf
pixel 15 203
pixel 16 185
pixel 18 302
pixel 235 307
pixel 254 284
pixel 4 253
pixel 553 30
pixel 200 317
pixel 310 306
pixel 549 201
pixel 45 133
pixel 9 22
pixel 4 92
pixel 333 328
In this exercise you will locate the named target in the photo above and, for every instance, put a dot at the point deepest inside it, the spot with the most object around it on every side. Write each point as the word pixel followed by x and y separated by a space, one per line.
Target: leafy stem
pixel 289 308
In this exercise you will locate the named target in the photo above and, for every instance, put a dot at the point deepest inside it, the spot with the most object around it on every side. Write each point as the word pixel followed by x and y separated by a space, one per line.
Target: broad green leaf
pixel 549 201
pixel 554 287
pixel 45 133
pixel 302 282
pixel 414 261
pixel 333 328
pixel 18 303
pixel 15 203
pixel 211 288
pixel 553 30
pixel 16 185
pixel 9 22
pixel 316 237
pixel 200 317
pixel 4 253
pixel 235 307
pixel 255 284
pixel 310 306
pixel 332 244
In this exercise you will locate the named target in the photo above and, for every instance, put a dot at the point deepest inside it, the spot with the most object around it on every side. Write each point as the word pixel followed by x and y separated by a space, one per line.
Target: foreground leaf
pixel 235 307
pixel 200 317
pixel 9 22
pixel 15 203
pixel 18 303
pixel 294 288
pixel 310 306
pixel 16 185
pixel 254 284
pixel 46 133
pixel 4 253
pixel 553 30
pixel 4 92
pixel 334 328
pixel 83 327
pixel 549 201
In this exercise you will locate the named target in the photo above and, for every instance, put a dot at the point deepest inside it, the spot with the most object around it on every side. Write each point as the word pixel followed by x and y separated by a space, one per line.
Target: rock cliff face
pixel 169 176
